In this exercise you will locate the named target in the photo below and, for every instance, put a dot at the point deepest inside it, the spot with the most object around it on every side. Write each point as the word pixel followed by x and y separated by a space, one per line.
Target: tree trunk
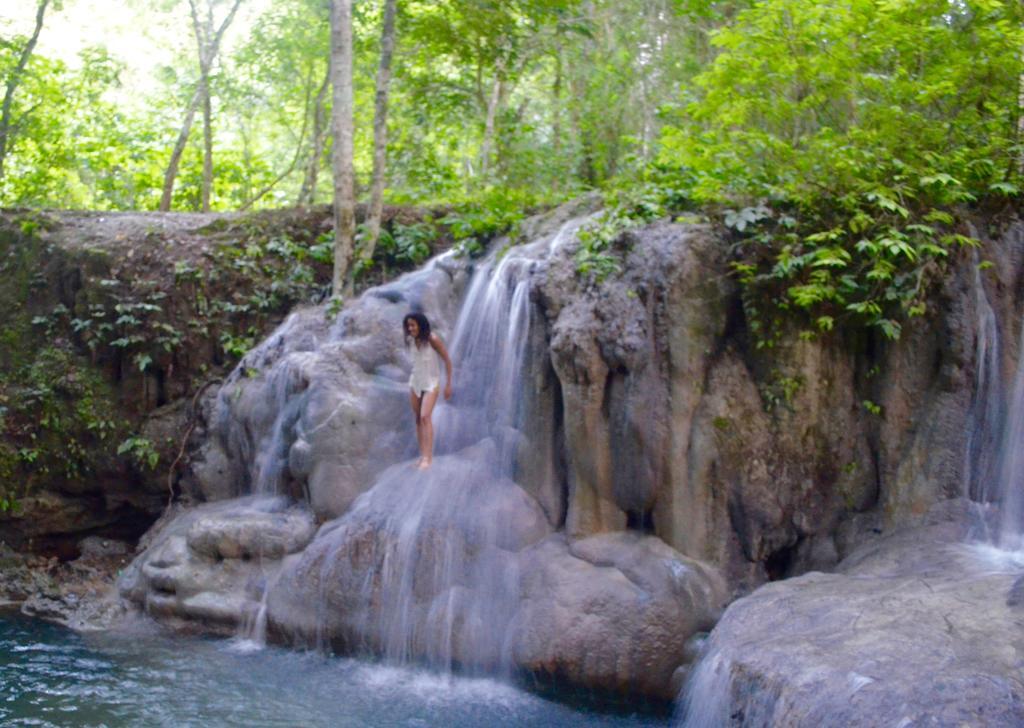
pixel 342 157
pixel 556 120
pixel 207 112
pixel 207 149
pixel 380 130
pixel 205 63
pixel 492 113
pixel 12 84
pixel 307 195
pixel 1020 118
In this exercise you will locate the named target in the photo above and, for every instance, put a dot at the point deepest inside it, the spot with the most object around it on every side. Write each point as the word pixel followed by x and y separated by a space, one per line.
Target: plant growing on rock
pixel 846 138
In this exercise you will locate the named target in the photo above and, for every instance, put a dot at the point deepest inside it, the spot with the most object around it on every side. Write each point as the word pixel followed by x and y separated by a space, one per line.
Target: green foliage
pixel 141 450
pixel 626 208
pixel 476 221
pixel 55 422
pixel 845 137
pixel 406 245
pixel 779 391
pixel 873 408
pixel 578 91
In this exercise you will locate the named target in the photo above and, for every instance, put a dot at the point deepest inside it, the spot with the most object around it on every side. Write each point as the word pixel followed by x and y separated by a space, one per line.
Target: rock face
pixel 650 462
pixel 764 462
pixel 917 629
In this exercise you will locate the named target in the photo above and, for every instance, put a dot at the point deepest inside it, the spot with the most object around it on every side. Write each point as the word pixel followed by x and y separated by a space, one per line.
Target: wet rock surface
pixel 658 464
pixel 459 565
pixel 79 594
pixel 918 628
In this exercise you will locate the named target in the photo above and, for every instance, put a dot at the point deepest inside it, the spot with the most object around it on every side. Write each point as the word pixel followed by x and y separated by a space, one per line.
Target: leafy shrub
pixel 845 137
pixel 476 221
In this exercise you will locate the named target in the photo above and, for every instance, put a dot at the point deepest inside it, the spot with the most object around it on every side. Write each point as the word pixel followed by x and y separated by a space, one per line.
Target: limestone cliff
pixel 648 429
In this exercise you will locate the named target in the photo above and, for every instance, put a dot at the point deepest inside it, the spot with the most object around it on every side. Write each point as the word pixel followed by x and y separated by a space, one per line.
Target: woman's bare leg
pixel 415 401
pixel 427 403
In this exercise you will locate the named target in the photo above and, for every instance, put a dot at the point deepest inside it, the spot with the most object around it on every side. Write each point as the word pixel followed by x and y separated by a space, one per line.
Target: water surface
pixel 141 676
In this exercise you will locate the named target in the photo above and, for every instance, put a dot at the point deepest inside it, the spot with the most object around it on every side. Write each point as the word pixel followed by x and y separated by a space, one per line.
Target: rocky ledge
pixel 79 594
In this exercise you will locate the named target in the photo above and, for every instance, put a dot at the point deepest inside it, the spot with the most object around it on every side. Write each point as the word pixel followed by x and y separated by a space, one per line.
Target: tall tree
pixel 380 129
pixel 6 127
pixel 342 114
pixel 307 193
pixel 203 32
pixel 207 54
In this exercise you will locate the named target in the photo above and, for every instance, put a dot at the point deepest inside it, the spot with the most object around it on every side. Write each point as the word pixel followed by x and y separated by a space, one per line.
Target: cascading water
pixel 705 699
pixel 489 346
pixel 1011 463
pixel 987 413
pixel 434 573
pixel 288 384
pixel 994 452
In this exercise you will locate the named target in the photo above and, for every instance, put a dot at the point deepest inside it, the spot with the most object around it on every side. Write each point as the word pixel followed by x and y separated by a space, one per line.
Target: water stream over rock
pixel 988 406
pixel 461 566
pixel 994 454
pixel 1011 463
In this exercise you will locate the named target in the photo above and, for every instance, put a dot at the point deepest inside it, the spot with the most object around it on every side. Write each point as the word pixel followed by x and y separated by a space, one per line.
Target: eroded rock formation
pixel 656 461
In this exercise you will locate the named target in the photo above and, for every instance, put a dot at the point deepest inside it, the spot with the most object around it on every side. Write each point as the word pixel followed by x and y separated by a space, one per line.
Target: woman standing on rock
pixel 425 381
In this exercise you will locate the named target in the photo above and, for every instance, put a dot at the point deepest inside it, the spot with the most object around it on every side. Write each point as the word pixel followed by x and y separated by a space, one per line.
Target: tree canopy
pixel 840 140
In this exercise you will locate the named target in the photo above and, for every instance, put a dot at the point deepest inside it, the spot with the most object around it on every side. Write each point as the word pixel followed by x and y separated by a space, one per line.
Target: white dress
pixel 426 374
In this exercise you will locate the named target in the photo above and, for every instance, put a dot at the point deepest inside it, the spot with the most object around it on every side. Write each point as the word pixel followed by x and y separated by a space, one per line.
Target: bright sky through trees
pixel 143 35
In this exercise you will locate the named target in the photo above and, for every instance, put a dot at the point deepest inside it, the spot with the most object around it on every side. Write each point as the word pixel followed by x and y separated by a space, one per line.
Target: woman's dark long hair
pixel 424 325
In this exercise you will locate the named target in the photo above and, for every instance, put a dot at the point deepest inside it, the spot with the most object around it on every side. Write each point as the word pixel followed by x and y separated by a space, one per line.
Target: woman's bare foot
pixel 424 463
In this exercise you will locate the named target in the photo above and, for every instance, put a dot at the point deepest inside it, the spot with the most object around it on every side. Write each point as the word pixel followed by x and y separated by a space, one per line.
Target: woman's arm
pixel 435 341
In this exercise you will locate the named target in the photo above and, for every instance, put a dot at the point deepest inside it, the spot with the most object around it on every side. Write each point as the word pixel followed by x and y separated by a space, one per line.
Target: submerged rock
pixel 78 594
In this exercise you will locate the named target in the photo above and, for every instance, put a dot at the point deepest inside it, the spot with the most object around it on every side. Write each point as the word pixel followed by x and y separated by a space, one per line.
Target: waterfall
pixel 987 412
pixel 288 384
pixel 1011 462
pixel 994 445
pixel 488 350
pixel 704 701
pixel 425 564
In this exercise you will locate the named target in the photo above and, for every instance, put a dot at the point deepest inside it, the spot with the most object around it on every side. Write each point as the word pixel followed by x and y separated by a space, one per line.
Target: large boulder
pixel 458 567
pixel 918 628
pixel 210 565
pixel 613 611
